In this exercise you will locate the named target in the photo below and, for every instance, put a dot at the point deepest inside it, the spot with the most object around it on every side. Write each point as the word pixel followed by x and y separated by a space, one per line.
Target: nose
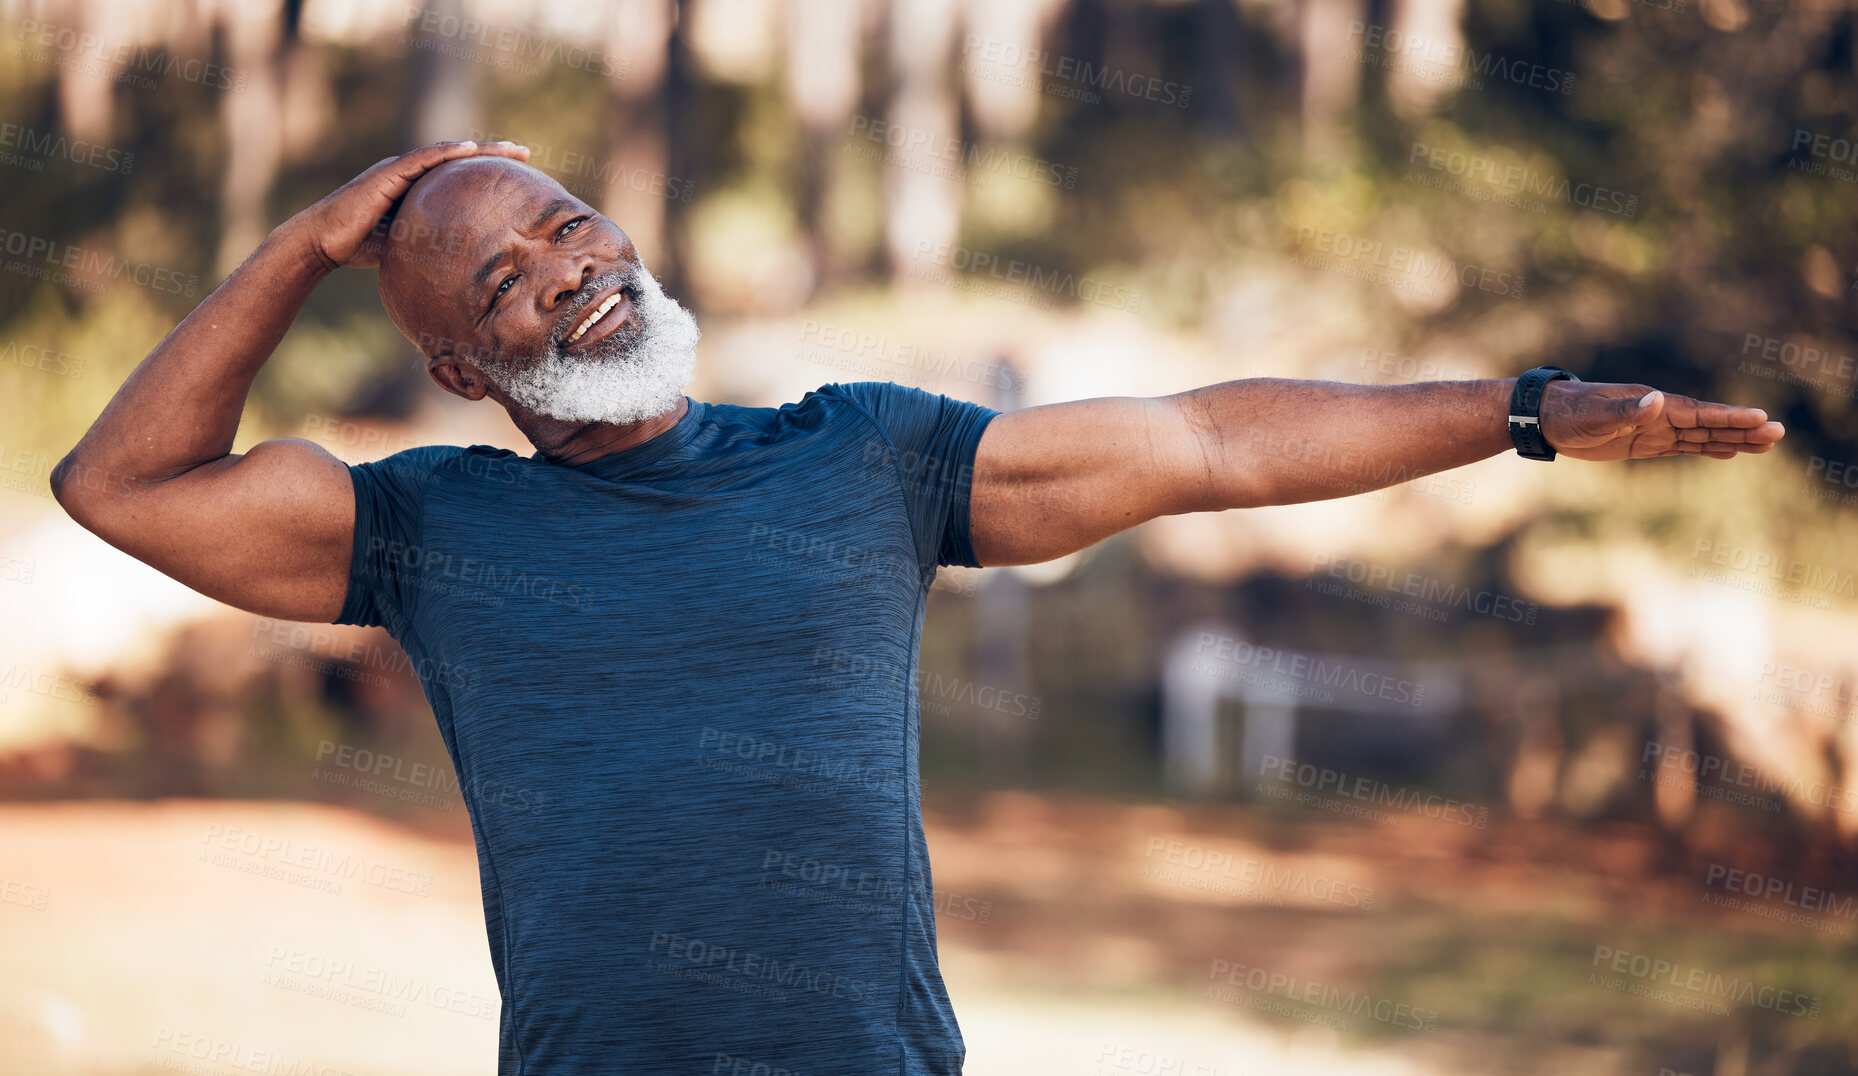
pixel 563 279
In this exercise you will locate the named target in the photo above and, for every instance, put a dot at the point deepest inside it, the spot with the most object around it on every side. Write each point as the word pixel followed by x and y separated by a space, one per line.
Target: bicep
pixel 269 531
pixel 1052 480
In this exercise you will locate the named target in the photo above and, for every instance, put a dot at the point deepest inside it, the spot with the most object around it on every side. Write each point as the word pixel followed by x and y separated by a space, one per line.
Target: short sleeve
pixel 934 438
pixel 382 574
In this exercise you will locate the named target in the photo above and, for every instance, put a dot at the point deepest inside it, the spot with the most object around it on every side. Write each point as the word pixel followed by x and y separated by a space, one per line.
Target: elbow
pixel 62 486
pixel 78 486
pixel 66 489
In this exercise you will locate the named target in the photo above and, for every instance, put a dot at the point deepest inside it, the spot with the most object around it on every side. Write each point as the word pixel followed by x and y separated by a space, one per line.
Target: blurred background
pixel 1518 768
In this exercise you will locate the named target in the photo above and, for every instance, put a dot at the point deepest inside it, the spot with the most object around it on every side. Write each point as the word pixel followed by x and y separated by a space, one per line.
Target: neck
pixel 575 443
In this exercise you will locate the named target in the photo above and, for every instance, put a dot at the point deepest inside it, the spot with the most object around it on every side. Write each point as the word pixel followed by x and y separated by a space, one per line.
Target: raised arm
pixel 269 530
pixel 1052 480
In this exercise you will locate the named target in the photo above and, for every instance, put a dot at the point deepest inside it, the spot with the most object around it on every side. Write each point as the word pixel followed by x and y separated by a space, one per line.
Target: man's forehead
pixel 464 220
pixel 454 201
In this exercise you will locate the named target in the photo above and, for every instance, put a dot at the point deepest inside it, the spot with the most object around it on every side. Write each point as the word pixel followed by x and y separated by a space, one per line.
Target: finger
pixel 1721 415
pixel 409 167
pixel 400 172
pixel 1632 410
pixel 1704 433
pixel 1719 449
pixel 513 150
pixel 413 164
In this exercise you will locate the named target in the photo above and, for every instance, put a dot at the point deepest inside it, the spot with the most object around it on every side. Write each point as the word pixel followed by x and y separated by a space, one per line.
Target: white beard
pixel 638 372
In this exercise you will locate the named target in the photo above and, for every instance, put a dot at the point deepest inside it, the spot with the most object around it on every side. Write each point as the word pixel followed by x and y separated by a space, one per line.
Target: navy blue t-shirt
pixel 679 687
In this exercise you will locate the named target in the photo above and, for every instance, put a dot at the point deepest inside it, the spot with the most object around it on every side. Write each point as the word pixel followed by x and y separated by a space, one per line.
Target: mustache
pixel 584 297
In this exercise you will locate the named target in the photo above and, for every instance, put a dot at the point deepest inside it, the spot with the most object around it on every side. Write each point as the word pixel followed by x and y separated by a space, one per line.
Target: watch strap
pixel 1526 411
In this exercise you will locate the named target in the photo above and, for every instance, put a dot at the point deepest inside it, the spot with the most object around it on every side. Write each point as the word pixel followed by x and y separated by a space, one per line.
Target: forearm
pixel 180 408
pixel 1276 441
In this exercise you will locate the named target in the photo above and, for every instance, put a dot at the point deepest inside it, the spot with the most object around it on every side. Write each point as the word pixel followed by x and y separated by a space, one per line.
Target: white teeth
pixel 599 311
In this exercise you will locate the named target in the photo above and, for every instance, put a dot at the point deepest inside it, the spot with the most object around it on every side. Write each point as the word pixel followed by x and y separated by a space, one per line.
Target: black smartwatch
pixel 1526 411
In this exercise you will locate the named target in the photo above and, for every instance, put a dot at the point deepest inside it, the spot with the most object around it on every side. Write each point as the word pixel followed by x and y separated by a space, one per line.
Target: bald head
pixel 516 289
pixel 445 215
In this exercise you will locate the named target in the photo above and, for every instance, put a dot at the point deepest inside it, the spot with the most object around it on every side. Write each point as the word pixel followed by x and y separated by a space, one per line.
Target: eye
pixel 570 226
pixel 508 282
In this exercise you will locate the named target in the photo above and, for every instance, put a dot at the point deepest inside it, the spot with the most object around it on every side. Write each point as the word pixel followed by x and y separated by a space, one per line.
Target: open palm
pixel 1604 422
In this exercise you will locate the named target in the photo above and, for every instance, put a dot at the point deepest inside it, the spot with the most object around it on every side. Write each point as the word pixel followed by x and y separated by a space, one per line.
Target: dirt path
pixel 218 937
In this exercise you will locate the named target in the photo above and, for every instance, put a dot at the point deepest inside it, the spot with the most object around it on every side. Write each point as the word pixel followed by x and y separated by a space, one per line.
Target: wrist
pixel 1529 407
pixel 1497 432
pixel 294 243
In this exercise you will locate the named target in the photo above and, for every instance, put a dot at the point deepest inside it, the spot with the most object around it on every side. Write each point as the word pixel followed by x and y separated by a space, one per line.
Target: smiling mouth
pixel 612 312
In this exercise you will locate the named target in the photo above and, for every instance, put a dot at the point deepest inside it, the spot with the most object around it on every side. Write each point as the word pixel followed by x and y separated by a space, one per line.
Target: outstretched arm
pixel 1052 480
pixel 268 530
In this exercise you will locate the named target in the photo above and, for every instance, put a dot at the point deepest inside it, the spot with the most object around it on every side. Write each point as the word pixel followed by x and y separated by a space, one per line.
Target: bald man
pixel 673 652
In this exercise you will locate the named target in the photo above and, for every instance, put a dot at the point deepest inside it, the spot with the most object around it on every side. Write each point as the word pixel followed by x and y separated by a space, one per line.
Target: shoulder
pixel 832 404
pixel 414 468
pixel 888 404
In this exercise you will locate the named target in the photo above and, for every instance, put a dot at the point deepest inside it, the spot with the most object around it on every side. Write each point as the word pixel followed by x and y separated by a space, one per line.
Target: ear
pixel 458 378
